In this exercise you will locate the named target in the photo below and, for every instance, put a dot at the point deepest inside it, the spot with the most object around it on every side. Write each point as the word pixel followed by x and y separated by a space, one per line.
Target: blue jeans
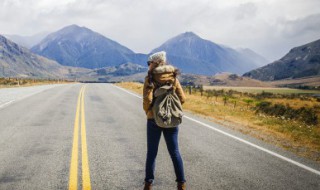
pixel 153 139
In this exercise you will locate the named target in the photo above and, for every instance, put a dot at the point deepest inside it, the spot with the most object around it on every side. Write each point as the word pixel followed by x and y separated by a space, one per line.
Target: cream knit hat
pixel 158 57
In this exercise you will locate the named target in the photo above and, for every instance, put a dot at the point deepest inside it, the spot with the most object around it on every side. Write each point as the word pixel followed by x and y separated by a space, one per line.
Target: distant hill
pixel 195 55
pixel 123 72
pixel 221 79
pixel 312 82
pixel 302 61
pixel 17 61
pixel 27 41
pixel 82 47
pixel 260 60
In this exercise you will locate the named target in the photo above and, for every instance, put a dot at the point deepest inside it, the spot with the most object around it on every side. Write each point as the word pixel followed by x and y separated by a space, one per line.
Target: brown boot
pixel 181 186
pixel 147 186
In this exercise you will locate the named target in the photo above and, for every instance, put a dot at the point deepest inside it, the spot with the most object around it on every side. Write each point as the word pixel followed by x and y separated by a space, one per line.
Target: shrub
pixel 306 115
pixel 248 101
pixel 264 94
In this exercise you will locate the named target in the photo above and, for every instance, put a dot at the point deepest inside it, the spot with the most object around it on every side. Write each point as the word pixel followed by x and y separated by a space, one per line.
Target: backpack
pixel 167 109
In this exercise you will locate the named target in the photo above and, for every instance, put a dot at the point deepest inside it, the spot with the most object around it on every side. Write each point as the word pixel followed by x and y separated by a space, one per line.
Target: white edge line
pixel 256 146
pixel 242 140
pixel 7 103
pixel 128 91
pixel 23 97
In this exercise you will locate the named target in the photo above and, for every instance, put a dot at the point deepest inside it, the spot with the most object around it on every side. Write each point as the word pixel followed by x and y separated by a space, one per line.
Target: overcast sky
pixel 269 27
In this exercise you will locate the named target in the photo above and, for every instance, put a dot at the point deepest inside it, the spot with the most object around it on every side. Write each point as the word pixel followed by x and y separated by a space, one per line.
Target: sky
pixel 268 27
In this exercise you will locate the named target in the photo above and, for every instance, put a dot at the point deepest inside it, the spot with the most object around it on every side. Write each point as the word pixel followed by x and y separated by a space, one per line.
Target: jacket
pixel 161 75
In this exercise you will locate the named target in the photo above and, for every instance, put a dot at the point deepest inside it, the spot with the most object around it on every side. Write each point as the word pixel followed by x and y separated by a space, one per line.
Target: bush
pixel 306 115
pixel 264 94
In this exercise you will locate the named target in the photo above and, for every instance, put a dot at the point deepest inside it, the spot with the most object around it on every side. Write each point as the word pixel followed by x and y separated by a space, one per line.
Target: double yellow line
pixel 73 178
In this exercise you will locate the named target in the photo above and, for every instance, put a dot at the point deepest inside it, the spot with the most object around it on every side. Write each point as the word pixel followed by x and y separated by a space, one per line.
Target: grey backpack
pixel 167 109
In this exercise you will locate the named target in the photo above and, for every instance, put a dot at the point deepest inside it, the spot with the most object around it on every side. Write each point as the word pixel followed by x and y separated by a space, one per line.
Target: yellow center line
pixel 86 185
pixel 73 178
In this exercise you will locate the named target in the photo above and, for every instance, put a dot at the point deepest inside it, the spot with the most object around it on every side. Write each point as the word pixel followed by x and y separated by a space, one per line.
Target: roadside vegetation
pixel 266 89
pixel 288 120
pixel 16 82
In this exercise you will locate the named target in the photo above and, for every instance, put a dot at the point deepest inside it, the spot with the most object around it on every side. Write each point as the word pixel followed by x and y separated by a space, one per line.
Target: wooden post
pixel 225 100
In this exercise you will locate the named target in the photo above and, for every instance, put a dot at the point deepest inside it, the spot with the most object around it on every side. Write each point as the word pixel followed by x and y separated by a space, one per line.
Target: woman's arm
pixel 147 94
pixel 179 92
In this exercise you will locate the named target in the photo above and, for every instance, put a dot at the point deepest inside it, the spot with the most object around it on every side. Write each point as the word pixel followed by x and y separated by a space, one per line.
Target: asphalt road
pixel 38 147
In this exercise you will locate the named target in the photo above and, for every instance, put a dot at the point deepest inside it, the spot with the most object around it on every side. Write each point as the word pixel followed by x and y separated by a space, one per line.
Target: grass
pixel 265 89
pixel 239 114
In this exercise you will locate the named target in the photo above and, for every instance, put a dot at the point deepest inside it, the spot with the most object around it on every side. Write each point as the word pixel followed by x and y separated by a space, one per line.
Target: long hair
pixel 176 72
pixel 150 76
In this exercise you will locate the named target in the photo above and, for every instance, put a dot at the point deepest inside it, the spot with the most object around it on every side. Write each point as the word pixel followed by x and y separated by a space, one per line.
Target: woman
pixel 160 73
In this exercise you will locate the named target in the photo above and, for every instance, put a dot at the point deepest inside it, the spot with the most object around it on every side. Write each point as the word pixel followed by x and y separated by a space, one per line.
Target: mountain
pixel 17 61
pixel 27 41
pixel 195 55
pixel 302 61
pixel 82 47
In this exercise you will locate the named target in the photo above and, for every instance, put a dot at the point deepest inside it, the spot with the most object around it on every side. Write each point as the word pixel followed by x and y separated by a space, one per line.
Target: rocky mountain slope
pixel 302 61
pixel 17 61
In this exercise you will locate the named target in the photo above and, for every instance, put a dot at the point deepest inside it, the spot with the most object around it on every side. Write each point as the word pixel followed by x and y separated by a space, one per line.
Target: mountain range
pixel 96 57
pixel 302 61
pixel 82 47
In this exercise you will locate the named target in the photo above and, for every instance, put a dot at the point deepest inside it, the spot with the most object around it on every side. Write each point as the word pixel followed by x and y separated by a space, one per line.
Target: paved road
pixel 37 139
pixel 9 95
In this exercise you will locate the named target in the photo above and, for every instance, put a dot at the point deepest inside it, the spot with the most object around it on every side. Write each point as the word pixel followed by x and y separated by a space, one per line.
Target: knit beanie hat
pixel 158 57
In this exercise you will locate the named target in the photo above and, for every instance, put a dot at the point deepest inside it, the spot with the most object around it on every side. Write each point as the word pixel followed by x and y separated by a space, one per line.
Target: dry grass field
pixel 239 112
pixel 261 89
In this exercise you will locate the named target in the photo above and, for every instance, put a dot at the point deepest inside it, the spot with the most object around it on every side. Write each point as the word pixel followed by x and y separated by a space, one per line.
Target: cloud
pixel 269 27
pixel 246 11
pixel 302 26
